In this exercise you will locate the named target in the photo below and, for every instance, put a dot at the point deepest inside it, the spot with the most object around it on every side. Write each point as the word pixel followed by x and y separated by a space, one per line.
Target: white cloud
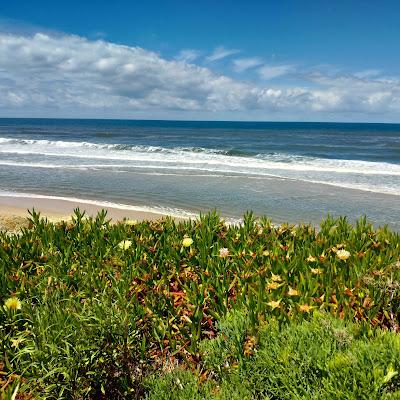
pixel 188 55
pixel 273 71
pixel 221 52
pixel 48 75
pixel 243 64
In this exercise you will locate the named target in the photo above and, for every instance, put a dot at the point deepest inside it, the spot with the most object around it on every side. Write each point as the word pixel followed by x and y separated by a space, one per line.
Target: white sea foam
pixel 379 177
pixel 195 156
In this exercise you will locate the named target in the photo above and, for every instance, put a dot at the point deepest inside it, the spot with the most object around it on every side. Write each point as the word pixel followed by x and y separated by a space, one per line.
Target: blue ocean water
pixel 288 171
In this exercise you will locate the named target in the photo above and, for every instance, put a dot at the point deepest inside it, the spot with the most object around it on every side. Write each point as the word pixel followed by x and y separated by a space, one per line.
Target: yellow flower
pixel 316 271
pixel 276 278
pixel 391 372
pixel 274 304
pixel 131 222
pixel 311 259
pixel 125 244
pixel 15 342
pixel 187 241
pixel 13 303
pixel 273 285
pixel 292 292
pixel 305 308
pixel 223 252
pixel 343 255
pixel 266 253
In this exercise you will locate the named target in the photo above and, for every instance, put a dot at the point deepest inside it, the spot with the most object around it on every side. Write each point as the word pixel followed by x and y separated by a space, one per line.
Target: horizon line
pixel 202 120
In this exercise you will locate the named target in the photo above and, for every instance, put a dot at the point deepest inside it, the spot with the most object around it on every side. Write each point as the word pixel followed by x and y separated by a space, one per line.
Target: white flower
pixel 125 244
pixel 223 252
pixel 343 254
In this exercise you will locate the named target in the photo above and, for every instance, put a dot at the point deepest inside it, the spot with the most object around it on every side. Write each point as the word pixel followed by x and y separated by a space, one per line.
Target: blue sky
pixel 262 60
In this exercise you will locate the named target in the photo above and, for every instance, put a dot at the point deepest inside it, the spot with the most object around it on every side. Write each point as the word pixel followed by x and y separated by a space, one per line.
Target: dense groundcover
pixel 199 310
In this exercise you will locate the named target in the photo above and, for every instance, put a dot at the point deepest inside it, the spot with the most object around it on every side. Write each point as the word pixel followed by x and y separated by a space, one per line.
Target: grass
pixel 124 310
pixel 323 358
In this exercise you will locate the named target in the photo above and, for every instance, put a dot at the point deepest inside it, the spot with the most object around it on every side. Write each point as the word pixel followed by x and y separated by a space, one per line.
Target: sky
pixel 209 60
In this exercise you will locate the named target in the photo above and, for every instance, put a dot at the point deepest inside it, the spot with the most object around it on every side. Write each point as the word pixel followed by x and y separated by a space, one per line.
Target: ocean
pixel 295 172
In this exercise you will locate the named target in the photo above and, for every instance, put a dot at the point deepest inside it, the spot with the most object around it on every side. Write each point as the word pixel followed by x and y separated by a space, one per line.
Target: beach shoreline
pixel 296 173
pixel 14 211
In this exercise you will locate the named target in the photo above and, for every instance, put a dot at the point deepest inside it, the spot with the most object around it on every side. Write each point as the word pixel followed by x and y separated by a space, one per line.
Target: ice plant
pixel 125 244
pixel 316 271
pixel 16 342
pixel 342 254
pixel 274 304
pixel 249 345
pixel 305 308
pixel 391 373
pixel 223 252
pixel 172 297
pixel 187 241
pixel 276 278
pixel 273 285
pixel 13 304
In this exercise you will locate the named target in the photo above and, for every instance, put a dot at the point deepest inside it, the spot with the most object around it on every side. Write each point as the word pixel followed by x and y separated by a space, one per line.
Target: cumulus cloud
pixel 51 72
pixel 221 52
pixel 243 64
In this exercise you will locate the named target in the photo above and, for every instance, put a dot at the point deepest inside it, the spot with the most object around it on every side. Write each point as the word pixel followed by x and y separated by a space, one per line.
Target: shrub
pixel 89 308
pixel 324 358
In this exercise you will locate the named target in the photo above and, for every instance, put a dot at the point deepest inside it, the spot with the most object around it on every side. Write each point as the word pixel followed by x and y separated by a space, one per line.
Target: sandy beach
pixel 14 211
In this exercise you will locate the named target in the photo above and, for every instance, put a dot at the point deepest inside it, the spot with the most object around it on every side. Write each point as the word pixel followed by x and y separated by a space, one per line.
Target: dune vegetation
pixel 91 309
